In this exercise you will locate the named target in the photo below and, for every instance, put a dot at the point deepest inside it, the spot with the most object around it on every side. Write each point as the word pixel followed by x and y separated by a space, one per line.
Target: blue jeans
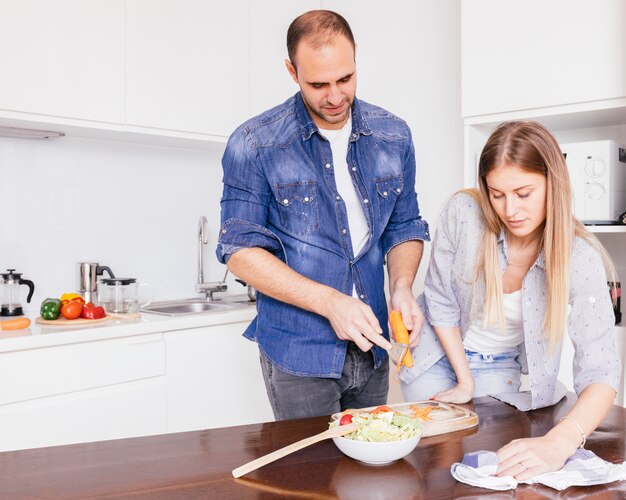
pixel 360 386
pixel 493 374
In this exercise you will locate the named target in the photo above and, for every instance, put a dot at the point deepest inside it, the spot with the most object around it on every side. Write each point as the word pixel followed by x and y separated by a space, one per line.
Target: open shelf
pixel 605 229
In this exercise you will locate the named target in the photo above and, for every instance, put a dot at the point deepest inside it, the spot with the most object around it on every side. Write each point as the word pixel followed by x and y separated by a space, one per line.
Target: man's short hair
pixel 317 27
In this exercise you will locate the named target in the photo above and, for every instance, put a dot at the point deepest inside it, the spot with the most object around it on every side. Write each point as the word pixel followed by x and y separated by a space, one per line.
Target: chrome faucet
pixel 206 289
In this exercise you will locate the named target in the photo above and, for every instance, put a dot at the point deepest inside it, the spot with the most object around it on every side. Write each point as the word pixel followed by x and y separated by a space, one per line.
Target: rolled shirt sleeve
pixel 245 201
pixel 442 307
pixel 591 322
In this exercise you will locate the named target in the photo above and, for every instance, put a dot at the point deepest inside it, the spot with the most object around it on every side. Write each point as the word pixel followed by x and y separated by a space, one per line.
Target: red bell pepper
pixel 91 311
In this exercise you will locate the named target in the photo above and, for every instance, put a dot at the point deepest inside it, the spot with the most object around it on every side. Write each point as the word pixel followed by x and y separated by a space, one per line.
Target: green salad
pixel 381 426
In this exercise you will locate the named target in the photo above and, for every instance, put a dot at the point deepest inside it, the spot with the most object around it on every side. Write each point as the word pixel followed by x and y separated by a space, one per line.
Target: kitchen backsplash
pixel 134 208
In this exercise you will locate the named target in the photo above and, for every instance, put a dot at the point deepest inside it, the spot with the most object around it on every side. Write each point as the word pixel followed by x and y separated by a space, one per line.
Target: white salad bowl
pixel 376 453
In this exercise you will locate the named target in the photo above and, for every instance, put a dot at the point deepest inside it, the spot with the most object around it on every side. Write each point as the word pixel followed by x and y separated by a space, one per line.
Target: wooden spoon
pixel 342 430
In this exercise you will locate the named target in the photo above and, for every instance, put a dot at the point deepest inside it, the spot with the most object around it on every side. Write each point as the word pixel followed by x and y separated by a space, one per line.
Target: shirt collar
pixel 308 126
pixel 502 243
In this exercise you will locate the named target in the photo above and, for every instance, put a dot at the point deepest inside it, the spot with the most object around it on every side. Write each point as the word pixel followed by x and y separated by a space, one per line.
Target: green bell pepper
pixel 50 309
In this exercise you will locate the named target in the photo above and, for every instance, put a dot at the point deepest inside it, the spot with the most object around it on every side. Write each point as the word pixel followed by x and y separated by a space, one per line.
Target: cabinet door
pixel 521 55
pixel 82 392
pixel 63 58
pixel 113 412
pixel 214 379
pixel 188 65
pixel 271 84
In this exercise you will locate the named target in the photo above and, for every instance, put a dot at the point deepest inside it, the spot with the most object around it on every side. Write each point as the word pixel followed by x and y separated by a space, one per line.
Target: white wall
pixel 134 208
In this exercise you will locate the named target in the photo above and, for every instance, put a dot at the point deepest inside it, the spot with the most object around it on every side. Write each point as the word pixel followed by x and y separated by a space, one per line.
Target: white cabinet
pixel 214 379
pixel 524 55
pixel 63 58
pixel 82 392
pixel 188 65
pixel 270 83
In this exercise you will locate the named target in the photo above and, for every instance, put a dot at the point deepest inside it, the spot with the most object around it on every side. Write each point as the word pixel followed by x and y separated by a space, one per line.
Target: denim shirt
pixel 447 302
pixel 280 195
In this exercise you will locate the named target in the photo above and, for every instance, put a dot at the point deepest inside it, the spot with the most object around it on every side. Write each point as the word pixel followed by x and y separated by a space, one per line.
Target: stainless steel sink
pixel 193 306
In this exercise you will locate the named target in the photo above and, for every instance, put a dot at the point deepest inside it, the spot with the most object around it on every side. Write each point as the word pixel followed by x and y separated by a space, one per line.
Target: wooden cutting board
pixel 444 417
pixel 69 322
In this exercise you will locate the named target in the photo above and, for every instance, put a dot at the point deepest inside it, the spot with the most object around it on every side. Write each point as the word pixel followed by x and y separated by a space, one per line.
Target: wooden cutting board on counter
pixel 440 419
pixel 69 322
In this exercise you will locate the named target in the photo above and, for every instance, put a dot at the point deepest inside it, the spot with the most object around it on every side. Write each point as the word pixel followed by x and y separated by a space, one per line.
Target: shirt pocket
pixel 388 190
pixel 298 206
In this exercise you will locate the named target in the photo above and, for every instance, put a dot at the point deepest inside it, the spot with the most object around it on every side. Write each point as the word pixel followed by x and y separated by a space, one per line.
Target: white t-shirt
pixel 494 340
pixel 357 223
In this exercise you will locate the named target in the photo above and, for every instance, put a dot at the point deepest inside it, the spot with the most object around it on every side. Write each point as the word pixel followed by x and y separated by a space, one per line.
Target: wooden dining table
pixel 198 464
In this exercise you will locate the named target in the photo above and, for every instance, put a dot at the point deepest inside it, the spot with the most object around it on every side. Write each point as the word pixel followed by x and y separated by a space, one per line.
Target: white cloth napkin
pixel 583 468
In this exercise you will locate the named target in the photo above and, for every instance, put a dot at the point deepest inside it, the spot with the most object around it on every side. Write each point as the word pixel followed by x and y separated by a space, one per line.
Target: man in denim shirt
pixel 318 191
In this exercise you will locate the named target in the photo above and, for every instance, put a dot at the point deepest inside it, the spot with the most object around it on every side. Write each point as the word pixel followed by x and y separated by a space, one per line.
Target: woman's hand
pixel 461 393
pixel 525 458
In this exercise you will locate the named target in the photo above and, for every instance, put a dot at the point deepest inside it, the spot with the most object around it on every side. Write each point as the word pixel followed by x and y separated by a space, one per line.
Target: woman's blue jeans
pixel 493 374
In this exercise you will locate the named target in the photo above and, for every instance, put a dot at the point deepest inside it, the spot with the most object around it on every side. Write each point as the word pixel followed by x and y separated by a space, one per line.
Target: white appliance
pixel 598 175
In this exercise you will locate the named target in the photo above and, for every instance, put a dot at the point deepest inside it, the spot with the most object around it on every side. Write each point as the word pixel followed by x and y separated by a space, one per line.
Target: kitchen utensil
pixel 10 282
pixel 298 445
pixel 250 288
pixel 121 295
pixel 88 273
pixel 444 417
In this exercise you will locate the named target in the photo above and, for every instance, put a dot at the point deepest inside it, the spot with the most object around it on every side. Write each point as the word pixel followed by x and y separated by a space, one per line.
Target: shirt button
pixel 385 193
pixel 285 201
pixel 327 165
pixel 592 299
pixel 306 199
pixel 366 201
pixel 354 136
pixel 399 190
pixel 337 197
pixel 223 231
pixel 354 169
pixel 361 296
pixel 344 231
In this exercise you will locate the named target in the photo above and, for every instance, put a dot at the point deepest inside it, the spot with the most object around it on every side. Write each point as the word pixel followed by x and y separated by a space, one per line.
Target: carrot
pixel 402 336
pixel 423 413
pixel 15 324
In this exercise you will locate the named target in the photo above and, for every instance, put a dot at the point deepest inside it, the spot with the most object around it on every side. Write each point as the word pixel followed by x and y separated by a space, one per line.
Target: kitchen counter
pixel 37 336
pixel 198 464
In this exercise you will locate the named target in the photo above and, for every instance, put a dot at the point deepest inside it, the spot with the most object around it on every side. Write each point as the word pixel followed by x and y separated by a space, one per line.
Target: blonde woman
pixel 511 272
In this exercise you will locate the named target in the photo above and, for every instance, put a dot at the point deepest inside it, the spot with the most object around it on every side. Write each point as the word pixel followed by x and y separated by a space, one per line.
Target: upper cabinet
pixel 525 55
pixel 63 58
pixel 188 65
pixel 270 82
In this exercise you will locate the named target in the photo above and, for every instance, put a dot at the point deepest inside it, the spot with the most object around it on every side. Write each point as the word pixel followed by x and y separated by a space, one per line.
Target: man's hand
pixel 354 320
pixel 402 300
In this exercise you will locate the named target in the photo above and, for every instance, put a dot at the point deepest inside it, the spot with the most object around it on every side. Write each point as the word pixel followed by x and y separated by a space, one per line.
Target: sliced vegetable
pixel 71 296
pixel 382 409
pixel 72 309
pixel 401 335
pixel 346 419
pixel 421 412
pixel 90 311
pixel 50 309
pixel 15 324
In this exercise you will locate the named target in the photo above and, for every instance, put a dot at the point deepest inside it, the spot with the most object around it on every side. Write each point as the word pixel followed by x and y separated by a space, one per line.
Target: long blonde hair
pixel 529 145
